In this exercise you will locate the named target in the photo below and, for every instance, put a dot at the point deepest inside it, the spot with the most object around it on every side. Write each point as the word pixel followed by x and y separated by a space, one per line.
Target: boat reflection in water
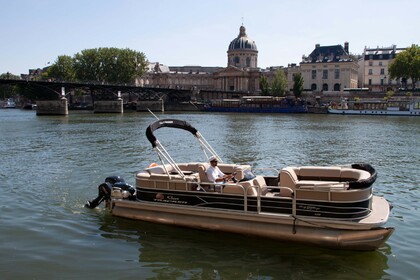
pixel 171 251
pixel 328 206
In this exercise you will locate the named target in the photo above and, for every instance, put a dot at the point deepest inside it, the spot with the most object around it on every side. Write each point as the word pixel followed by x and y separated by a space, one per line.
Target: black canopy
pixel 168 123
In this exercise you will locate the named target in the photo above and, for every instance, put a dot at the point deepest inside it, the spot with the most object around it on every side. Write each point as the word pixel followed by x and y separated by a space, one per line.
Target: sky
pixel 34 33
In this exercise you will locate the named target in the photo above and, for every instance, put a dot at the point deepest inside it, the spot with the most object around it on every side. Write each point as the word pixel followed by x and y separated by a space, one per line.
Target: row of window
pixel 379 63
pixel 325 74
pixel 337 87
pixel 370 71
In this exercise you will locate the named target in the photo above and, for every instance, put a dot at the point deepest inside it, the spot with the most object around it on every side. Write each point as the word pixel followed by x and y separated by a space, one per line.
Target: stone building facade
pixel 329 68
pixel 373 72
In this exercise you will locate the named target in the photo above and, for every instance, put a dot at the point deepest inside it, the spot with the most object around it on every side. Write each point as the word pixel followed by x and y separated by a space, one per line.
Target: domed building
pixel 242 51
pixel 242 73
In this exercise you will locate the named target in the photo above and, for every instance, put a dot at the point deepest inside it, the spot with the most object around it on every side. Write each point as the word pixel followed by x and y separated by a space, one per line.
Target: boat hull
pixel 275 205
pixel 307 230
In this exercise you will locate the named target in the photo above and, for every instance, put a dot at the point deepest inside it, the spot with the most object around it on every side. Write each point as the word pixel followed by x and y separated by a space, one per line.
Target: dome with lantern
pixel 242 41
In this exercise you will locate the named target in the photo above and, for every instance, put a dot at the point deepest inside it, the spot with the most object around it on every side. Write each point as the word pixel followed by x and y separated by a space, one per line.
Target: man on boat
pixel 214 174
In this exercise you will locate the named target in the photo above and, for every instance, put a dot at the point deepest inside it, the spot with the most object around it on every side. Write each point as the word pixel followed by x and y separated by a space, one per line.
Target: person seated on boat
pixel 214 174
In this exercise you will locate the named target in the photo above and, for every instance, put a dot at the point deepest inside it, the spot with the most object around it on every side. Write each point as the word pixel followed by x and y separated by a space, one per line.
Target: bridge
pixel 100 93
pixel 103 94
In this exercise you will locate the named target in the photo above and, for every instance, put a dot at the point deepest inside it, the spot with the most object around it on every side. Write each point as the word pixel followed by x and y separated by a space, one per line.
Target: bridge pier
pixel 153 105
pixel 113 106
pixel 52 107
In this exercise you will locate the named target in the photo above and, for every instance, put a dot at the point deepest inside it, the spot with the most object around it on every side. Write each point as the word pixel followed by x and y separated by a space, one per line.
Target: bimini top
pixel 242 42
pixel 168 123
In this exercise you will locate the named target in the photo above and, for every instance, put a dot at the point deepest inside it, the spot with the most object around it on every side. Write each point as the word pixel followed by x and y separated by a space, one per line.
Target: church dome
pixel 242 42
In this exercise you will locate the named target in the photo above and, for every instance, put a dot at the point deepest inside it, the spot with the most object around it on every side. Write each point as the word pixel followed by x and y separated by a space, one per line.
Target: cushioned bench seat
pixel 319 178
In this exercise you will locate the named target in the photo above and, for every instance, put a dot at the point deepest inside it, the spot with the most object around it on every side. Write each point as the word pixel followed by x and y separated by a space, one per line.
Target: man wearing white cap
pixel 214 174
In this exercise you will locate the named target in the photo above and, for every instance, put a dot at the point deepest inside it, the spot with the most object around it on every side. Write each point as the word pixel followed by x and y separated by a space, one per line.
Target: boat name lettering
pixel 309 207
pixel 170 201
pixel 163 122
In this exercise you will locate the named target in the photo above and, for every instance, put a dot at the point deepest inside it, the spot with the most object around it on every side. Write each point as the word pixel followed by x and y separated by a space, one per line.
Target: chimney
pixel 317 46
pixel 346 47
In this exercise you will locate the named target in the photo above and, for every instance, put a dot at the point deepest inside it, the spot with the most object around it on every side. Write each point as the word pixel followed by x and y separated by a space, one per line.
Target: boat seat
pixel 241 188
pixel 332 178
pixel 350 174
pixel 259 181
pixel 159 169
pixel 202 168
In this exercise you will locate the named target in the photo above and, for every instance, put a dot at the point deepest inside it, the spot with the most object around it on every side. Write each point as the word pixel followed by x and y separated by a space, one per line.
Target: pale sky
pixel 194 32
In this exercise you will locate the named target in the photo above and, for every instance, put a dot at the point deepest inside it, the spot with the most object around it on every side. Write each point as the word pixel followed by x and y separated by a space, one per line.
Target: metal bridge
pixel 99 91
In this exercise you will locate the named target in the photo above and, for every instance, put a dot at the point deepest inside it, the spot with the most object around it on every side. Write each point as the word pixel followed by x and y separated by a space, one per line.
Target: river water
pixel 51 165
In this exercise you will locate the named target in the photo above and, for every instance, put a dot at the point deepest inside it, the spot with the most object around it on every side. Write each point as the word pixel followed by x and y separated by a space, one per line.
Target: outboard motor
pixel 114 186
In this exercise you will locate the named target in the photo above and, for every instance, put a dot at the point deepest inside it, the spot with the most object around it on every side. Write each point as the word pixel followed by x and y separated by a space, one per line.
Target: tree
pixel 406 65
pixel 109 65
pixel 297 85
pixel 264 86
pixel 279 85
pixel 62 69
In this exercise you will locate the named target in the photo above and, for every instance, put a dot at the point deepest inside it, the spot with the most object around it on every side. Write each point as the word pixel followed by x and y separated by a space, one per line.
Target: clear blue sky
pixel 194 32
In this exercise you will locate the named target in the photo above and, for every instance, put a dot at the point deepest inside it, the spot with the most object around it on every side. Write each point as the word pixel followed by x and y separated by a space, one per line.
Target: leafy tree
pixel 62 69
pixel 87 65
pixel 109 65
pixel 9 76
pixel 406 65
pixel 279 85
pixel 297 85
pixel 7 91
pixel 264 86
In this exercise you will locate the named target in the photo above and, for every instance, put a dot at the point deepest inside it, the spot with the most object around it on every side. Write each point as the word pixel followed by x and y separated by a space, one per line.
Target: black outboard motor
pixel 112 184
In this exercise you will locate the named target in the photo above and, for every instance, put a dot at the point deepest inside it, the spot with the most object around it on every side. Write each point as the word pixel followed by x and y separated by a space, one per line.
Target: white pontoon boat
pixel 317 205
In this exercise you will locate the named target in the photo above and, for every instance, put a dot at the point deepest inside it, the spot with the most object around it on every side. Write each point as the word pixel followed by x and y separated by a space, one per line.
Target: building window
pixel 248 62
pixel 236 60
pixel 325 87
pixel 313 87
pixel 337 74
pixel 382 82
pixel 325 74
pixel 370 63
pixel 313 74
pixel 336 87
pixel 380 63
pixel 370 82
pixel 382 71
pixel 370 72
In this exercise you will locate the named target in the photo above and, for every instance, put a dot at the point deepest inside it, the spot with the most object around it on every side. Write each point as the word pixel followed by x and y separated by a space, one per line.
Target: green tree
pixel 406 65
pixel 297 85
pixel 279 85
pixel 87 65
pixel 6 90
pixel 62 69
pixel 109 65
pixel 9 76
pixel 264 86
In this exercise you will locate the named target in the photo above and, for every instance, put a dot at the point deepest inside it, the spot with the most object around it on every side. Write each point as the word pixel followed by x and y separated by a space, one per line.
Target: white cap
pixel 212 158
